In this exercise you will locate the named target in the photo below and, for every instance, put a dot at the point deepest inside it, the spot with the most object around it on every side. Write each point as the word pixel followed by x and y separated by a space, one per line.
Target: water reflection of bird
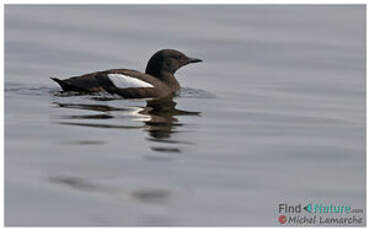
pixel 159 117
pixel 163 120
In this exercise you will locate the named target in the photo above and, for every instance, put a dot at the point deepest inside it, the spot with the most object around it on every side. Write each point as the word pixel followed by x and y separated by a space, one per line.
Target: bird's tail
pixel 64 85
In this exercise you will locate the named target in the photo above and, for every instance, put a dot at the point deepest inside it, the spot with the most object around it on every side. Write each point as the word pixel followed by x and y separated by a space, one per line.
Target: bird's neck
pixel 166 77
pixel 169 79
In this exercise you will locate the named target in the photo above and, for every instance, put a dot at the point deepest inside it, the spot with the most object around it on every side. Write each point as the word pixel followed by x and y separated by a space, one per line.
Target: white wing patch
pixel 123 81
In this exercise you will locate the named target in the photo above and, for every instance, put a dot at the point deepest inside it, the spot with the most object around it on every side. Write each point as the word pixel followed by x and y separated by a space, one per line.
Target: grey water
pixel 276 115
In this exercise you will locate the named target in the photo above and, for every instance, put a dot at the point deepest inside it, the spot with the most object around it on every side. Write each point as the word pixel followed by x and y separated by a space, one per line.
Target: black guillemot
pixel 157 81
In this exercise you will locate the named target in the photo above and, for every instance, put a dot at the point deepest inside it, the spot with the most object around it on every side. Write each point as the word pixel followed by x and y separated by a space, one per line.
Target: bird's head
pixel 168 60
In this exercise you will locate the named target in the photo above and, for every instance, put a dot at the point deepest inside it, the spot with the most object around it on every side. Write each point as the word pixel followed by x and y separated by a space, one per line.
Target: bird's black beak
pixel 193 60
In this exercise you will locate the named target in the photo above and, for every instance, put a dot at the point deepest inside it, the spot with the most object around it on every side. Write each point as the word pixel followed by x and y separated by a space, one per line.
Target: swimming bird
pixel 157 81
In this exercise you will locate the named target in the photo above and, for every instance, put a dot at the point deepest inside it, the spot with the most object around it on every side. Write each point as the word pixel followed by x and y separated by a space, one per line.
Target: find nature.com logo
pixel 314 214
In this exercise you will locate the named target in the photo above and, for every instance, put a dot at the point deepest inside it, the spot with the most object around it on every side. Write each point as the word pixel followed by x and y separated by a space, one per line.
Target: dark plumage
pixel 157 81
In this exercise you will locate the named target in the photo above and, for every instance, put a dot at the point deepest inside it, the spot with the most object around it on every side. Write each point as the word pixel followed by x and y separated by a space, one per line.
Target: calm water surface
pixel 278 115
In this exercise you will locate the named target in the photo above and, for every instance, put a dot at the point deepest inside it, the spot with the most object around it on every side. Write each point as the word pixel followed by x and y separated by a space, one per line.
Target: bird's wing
pixel 123 81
